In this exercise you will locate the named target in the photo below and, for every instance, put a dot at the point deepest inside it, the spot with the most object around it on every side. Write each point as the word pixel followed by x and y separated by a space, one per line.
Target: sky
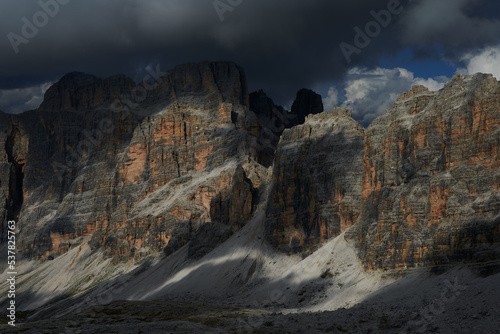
pixel 358 54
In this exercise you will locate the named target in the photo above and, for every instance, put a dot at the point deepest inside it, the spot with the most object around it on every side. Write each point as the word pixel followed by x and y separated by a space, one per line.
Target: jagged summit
pixel 224 81
pixel 78 91
pixel 211 82
pixel 208 198
pixel 263 105
pixel 79 79
pixel 306 103
pixel 456 92
pixel 433 153
pixel 341 112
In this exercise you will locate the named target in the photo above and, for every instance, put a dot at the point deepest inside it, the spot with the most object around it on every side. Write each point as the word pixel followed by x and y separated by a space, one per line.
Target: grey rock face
pixel 431 177
pixel 83 92
pixel 207 238
pixel 317 182
pixel 79 167
pixel 421 185
pixel 274 119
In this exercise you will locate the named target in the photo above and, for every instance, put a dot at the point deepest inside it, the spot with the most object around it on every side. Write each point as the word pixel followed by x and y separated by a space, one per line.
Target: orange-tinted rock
pixel 130 179
pixel 430 163
pixel 189 165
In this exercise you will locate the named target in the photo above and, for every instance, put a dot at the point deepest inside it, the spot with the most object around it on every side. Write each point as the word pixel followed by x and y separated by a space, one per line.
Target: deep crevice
pixel 16 177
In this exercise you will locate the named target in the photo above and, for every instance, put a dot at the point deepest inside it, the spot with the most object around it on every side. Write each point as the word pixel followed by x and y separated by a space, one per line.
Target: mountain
pixel 431 177
pixel 93 171
pixel 316 182
pixel 187 188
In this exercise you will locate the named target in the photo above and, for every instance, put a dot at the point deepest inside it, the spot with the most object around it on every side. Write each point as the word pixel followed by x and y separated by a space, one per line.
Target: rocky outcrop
pixel 128 179
pixel 12 168
pixel 202 85
pixel 428 192
pixel 189 163
pixel 274 119
pixel 234 207
pixel 83 92
pixel 306 103
pixel 431 184
pixel 272 115
pixel 316 182
pixel 271 121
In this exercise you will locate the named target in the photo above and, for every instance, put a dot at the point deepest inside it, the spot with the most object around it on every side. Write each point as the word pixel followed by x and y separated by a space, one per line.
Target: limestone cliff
pixel 316 182
pixel 190 160
pixel 274 119
pixel 431 183
pixel 88 166
pixel 426 193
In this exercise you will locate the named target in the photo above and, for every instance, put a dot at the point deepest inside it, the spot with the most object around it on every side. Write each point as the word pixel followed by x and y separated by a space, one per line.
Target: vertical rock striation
pixel 94 165
pixel 431 179
pixel 316 182
pixel 136 169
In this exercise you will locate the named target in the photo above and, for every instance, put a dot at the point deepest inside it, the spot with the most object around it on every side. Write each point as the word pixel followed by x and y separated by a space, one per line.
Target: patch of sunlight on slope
pixel 68 274
pixel 155 204
pixel 245 269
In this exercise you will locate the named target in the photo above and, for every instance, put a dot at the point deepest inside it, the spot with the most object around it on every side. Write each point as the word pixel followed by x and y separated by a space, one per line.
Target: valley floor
pixel 458 301
pixel 243 286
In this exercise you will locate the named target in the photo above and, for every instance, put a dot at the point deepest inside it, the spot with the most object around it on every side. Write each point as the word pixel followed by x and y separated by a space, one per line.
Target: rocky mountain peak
pixel 210 82
pixel 203 198
pixel 342 112
pixel 477 82
pixel 454 94
pixel 78 91
pixel 307 102
pixel 431 176
pixel 263 106
pixel 419 186
pixel 77 79
pixel 413 92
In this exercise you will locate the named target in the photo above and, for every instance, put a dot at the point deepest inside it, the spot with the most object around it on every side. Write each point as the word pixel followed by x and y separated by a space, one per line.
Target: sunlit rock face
pixel 421 182
pixel 134 174
pixel 191 160
pixel 431 177
pixel 129 175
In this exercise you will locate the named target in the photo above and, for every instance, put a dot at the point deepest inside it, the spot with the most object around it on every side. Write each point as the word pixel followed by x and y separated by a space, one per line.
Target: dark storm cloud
pixel 280 41
pixel 283 45
pixel 454 26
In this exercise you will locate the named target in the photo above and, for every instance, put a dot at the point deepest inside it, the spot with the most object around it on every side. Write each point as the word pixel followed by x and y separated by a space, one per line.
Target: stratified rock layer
pixel 188 162
pixel 130 175
pixel 317 181
pixel 431 184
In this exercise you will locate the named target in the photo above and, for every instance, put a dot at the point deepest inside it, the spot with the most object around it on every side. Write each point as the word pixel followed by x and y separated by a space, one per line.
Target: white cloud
pixel 369 93
pixel 433 84
pixel 16 101
pixel 332 99
pixel 485 61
